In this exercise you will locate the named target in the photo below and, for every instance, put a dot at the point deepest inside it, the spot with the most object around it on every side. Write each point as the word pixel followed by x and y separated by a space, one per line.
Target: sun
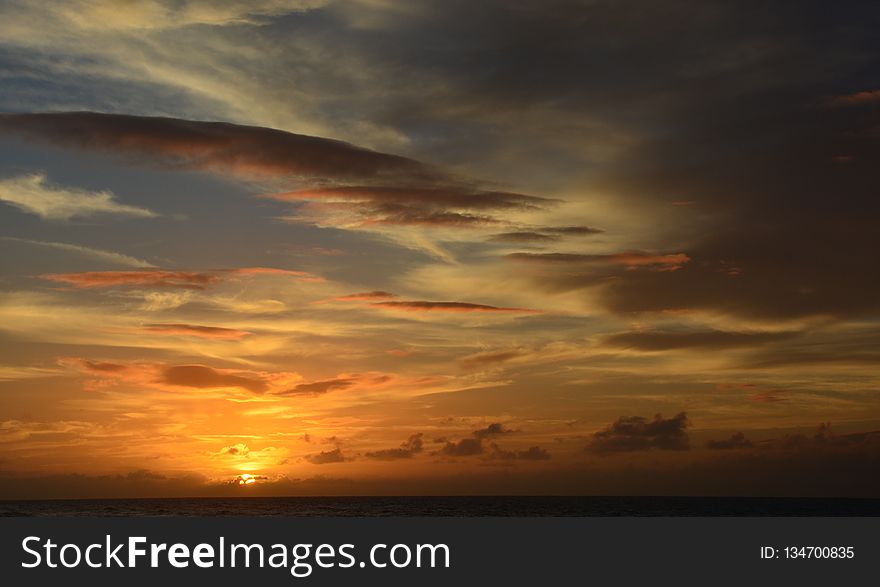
pixel 246 479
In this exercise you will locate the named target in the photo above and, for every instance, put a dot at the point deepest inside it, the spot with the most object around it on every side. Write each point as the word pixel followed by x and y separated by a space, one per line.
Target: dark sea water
pixel 446 506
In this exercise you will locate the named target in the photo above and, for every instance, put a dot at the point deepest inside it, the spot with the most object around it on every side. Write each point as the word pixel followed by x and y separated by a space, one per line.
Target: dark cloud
pixel 320 387
pixel 736 440
pixel 627 259
pixel 413 445
pixel 635 433
pixel 493 429
pixel 419 194
pixel 709 339
pixel 200 376
pixel 326 457
pixel 466 447
pixel 212 146
pixel 417 216
pixel 424 306
pixel 533 453
pixel 775 226
pixel 199 331
pixel 543 234
pixel 247 480
pixel 825 439
pixel 573 230
pixel 523 237
pixel 472 445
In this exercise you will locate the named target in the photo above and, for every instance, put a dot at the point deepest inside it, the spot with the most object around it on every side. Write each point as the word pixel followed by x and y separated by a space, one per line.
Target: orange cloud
pixel 147 278
pixel 365 296
pixel 423 306
pixel 247 271
pixel 163 278
pixel 196 330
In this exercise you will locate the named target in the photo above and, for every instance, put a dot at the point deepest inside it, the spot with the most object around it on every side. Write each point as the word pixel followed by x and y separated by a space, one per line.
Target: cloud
pixel 423 306
pixel 494 429
pixel 365 296
pixel 709 339
pixel 635 433
pixel 465 447
pixel 450 204
pixel 573 230
pixel 103 15
pixel 157 278
pixel 35 195
pixel 533 453
pixel 858 98
pixel 462 198
pixel 203 377
pixel 736 440
pixel 163 278
pixel 243 151
pixel 248 271
pixel 413 445
pixel 211 332
pixel 479 360
pixel 472 445
pixel 88 252
pixel 169 377
pixel 239 449
pixel 522 237
pixel 326 457
pixel 627 259
pixel 416 194
pixel 544 234
pixel 103 367
pixel 321 387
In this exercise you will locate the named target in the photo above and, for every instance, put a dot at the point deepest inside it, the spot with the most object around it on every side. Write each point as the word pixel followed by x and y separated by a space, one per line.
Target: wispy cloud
pixel 157 278
pixel 626 259
pixel 160 278
pixel 89 252
pixel 211 332
pixel 35 195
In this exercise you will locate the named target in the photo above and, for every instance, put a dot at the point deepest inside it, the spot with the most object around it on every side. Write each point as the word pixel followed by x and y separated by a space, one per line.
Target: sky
pixel 321 247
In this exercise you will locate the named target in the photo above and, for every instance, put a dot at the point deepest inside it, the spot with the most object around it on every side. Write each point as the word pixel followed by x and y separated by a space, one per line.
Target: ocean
pixel 498 506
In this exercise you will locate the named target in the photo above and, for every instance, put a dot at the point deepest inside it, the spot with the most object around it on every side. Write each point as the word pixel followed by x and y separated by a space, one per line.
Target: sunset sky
pixel 392 247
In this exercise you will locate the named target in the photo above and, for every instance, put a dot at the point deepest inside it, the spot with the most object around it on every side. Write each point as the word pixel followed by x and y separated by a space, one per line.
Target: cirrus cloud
pixel 35 195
